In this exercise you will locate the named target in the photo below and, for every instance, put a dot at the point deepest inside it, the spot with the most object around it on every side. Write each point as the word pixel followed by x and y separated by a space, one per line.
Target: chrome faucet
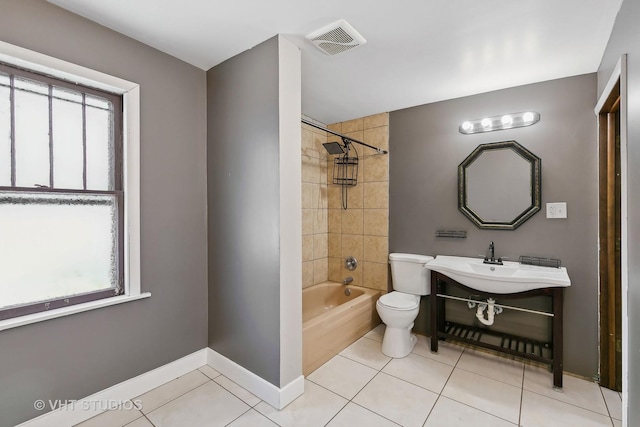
pixel 490 258
pixel 347 280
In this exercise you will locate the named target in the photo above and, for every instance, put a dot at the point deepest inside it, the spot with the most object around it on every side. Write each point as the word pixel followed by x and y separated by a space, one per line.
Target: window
pixel 62 201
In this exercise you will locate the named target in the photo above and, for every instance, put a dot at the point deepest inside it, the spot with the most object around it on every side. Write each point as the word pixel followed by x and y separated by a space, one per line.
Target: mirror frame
pixel 536 183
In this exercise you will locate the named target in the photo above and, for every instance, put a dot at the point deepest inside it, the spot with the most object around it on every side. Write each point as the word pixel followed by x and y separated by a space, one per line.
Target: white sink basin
pixel 498 279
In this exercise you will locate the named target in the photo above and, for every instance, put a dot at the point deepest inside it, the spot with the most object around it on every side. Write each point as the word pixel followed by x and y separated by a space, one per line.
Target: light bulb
pixel 486 123
pixel 466 126
pixel 507 120
pixel 527 117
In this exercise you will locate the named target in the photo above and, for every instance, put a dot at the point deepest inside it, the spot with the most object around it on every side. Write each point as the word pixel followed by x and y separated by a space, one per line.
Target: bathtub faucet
pixel 347 280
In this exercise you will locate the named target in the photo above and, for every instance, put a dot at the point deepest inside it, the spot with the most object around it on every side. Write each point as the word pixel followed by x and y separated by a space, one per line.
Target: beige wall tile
pixel 307 221
pixel 310 169
pixel 323 196
pixel 307 195
pixel 352 125
pixel 375 275
pixel 334 193
pixel 307 274
pixel 315 196
pixel 335 269
pixel 336 127
pixel 376 222
pixel 378 137
pixel 352 221
pixel 376 195
pixel 376 168
pixel 307 138
pixel 320 225
pixel 376 249
pixel 317 142
pixel 376 120
pixel 320 246
pixel 352 245
pixel 324 170
pixel 320 270
pixel 307 248
pixel 335 220
pixel 334 245
pixel 355 197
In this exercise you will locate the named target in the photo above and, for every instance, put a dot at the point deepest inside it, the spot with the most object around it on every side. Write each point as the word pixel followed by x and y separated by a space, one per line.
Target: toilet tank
pixel 409 275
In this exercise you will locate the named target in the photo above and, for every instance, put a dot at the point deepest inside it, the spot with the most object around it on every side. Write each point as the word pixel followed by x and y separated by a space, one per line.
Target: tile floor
pixel 362 387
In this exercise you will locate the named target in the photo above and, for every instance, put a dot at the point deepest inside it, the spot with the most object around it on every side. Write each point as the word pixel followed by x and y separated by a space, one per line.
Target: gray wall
pixel 625 38
pixel 244 210
pixel 425 151
pixel 75 356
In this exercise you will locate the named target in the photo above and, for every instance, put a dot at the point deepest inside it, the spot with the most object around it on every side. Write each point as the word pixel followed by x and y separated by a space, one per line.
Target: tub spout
pixel 347 280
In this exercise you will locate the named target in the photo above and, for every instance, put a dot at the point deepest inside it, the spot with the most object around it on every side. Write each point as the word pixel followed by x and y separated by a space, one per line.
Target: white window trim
pixel 130 92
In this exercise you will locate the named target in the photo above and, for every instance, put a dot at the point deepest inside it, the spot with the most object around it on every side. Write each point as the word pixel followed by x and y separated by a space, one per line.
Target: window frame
pixel 129 201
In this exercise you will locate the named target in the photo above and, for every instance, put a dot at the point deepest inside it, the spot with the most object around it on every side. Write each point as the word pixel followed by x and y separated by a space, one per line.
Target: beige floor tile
pixel 447 353
pixel 316 407
pixel 208 405
pixel 368 352
pixel 485 394
pixel 613 401
pixel 171 390
pixel 541 411
pixel 376 333
pixel 617 423
pixel 343 376
pixel 492 366
pixel 576 391
pixel 238 391
pixel 115 418
pixel 449 413
pixel 253 418
pixel 353 415
pixel 209 371
pixel 397 400
pixel 418 370
pixel 140 422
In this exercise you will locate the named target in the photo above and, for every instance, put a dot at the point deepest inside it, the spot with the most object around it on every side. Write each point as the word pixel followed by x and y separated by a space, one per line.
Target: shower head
pixel 333 147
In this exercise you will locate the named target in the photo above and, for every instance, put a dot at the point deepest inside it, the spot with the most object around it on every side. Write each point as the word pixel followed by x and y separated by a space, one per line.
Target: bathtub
pixel 332 320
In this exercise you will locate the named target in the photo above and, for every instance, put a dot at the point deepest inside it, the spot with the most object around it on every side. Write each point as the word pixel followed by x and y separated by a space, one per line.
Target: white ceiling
pixel 417 51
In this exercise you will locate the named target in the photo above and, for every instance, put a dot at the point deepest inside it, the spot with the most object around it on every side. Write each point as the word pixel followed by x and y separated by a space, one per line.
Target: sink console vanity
pixel 492 282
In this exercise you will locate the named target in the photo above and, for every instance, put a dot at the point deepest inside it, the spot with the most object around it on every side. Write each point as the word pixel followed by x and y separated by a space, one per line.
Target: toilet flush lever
pixel 350 263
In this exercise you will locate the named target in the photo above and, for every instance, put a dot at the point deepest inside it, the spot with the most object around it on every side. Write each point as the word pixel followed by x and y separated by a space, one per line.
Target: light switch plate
pixel 557 210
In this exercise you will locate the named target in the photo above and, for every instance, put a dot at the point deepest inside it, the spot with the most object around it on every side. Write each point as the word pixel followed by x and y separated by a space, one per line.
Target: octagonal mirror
pixel 499 185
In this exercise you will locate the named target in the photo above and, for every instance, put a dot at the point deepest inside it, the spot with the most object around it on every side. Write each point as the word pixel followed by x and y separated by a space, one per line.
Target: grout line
pixel 572 404
pixel 374 412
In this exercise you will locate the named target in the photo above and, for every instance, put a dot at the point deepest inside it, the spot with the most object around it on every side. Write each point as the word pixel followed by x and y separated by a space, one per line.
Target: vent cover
pixel 336 38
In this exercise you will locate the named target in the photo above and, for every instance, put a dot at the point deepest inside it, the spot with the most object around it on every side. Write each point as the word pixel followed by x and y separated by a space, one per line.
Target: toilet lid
pixel 400 301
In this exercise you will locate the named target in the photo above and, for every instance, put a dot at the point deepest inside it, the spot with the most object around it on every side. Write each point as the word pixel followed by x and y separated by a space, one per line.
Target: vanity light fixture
pixel 506 121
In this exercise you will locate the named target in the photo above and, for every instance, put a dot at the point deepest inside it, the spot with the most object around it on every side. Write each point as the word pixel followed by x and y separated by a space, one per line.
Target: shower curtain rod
pixel 307 122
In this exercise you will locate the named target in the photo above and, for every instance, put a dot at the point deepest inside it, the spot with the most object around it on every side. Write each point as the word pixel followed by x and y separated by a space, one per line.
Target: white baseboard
pixel 83 409
pixel 274 396
pixel 77 412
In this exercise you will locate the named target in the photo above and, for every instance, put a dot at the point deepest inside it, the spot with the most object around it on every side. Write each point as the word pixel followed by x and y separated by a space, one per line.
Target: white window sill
pixel 66 311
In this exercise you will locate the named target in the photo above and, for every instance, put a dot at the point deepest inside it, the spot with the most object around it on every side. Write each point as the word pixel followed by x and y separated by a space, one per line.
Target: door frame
pixel 619 76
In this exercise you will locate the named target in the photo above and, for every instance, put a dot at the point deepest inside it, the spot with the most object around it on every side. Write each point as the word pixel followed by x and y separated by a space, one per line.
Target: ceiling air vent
pixel 336 38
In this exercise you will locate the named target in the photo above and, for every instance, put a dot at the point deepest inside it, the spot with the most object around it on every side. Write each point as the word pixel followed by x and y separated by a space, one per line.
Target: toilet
pixel 398 309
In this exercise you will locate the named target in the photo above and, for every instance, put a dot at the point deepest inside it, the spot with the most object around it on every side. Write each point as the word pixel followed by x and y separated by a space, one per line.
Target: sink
pixel 511 277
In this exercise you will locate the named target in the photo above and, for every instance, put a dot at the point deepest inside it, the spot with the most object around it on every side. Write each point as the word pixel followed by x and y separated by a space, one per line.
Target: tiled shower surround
pixel 330 233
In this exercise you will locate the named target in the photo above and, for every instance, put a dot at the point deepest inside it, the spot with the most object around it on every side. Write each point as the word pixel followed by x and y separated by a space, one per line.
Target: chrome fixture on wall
pixel 506 121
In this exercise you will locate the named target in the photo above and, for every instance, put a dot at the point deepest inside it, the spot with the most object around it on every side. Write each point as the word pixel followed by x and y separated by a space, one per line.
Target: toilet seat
pixel 399 301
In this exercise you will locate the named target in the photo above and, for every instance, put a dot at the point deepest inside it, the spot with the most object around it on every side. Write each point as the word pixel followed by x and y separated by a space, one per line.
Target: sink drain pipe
pixel 491 310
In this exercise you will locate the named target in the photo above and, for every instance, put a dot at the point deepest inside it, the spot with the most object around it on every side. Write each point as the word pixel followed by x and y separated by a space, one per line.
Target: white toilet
pixel 398 309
